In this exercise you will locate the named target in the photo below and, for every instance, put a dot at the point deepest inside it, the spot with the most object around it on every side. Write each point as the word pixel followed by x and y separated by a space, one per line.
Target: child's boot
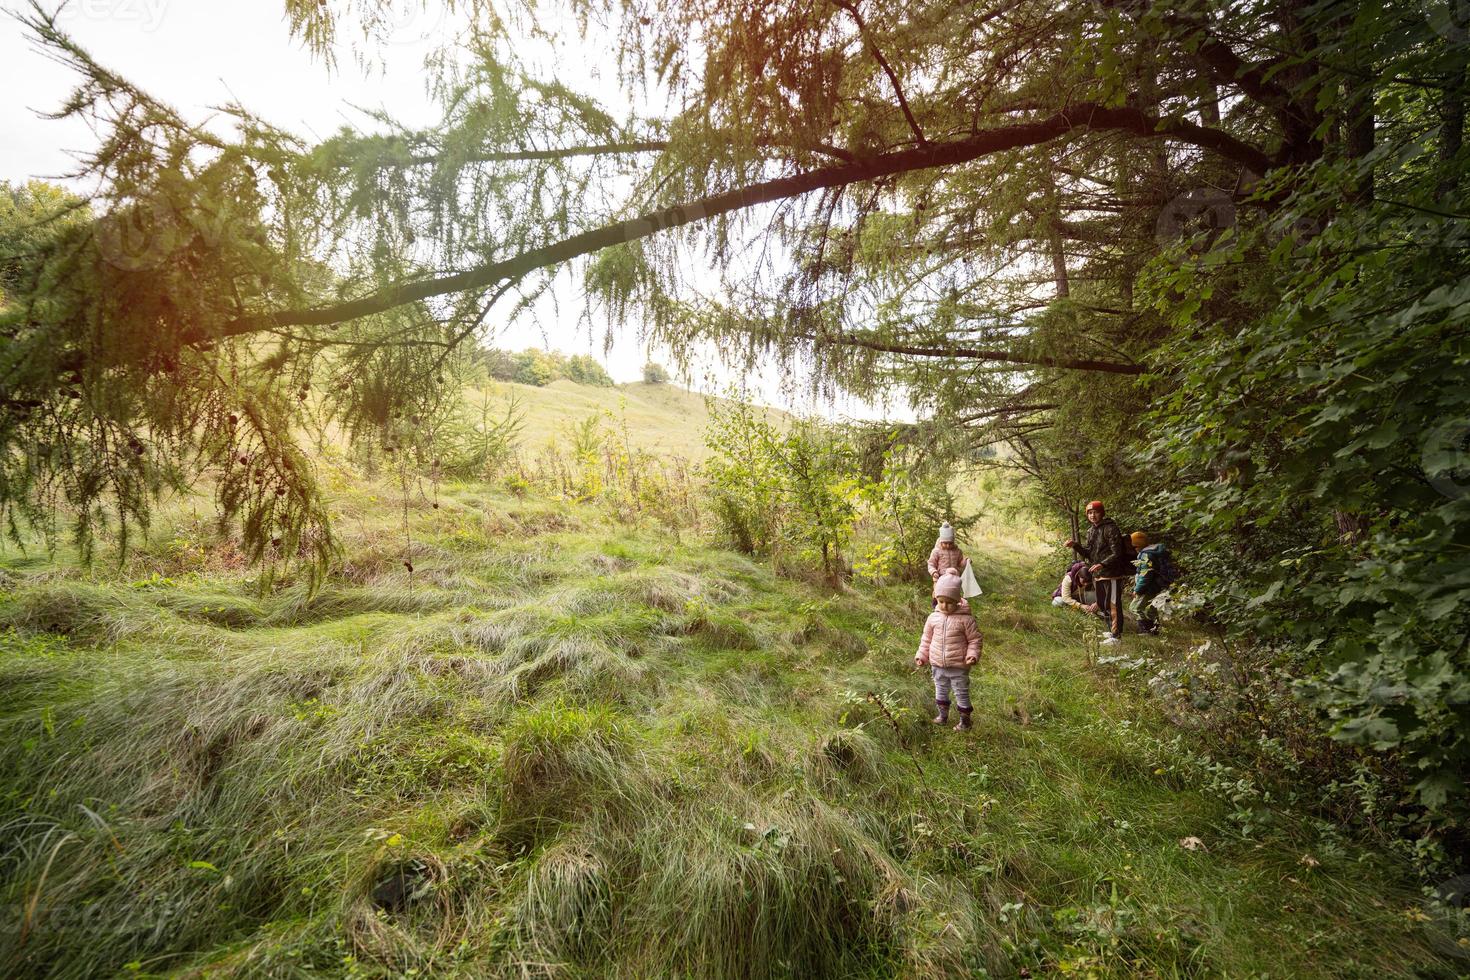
pixel 943 715
pixel 964 723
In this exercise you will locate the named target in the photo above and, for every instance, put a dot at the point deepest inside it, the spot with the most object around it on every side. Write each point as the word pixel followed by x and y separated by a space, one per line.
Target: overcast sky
pixel 196 54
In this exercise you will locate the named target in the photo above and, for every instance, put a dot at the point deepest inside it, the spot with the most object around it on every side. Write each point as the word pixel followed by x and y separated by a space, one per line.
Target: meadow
pixel 564 746
pixel 392 680
pixel 662 419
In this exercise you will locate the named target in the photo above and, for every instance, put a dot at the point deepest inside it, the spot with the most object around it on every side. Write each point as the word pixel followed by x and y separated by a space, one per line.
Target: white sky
pixel 196 54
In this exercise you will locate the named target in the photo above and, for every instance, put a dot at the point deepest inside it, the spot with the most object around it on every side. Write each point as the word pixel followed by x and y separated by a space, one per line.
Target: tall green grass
pixel 571 749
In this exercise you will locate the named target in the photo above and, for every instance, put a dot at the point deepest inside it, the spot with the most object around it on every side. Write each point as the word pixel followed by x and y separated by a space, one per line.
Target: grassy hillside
pixel 663 419
pixel 559 748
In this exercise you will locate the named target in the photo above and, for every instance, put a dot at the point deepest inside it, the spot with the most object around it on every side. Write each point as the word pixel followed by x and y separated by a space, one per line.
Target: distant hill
pixel 662 418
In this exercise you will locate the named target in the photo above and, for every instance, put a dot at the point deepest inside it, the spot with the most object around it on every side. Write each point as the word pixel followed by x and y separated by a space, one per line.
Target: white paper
pixel 968 585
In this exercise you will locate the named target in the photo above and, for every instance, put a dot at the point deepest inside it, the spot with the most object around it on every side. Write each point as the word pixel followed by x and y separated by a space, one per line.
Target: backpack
pixel 1168 570
pixel 1160 566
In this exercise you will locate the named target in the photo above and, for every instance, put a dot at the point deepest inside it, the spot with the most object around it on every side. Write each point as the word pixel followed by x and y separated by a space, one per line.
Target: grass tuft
pixel 851 752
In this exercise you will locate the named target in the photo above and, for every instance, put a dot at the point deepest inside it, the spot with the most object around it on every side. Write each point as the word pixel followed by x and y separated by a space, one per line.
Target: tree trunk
pixel 1452 133
pixel 1358 111
pixel 1361 138
pixel 1350 526
pixel 1059 264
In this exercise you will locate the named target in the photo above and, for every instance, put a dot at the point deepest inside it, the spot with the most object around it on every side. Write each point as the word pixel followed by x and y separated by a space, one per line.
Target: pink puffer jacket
pixel 942 558
pixel 949 640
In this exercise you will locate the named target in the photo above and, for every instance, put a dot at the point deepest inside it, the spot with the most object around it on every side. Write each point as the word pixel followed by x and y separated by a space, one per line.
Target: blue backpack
pixel 1156 570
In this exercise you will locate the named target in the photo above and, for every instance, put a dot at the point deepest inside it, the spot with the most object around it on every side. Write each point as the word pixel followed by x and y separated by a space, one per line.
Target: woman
pixel 1078 590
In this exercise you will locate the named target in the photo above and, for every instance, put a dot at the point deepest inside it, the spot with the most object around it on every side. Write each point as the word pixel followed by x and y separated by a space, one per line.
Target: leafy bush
pixel 774 490
pixel 903 506
pixel 1317 459
pixel 805 489
pixel 655 374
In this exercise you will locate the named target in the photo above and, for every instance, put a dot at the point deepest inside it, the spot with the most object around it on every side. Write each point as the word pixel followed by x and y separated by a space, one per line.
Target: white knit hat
pixel 946 533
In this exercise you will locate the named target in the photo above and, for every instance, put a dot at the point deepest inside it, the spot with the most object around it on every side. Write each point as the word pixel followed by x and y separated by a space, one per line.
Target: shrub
pixel 595 461
pixel 655 374
pixel 806 490
pixel 474 443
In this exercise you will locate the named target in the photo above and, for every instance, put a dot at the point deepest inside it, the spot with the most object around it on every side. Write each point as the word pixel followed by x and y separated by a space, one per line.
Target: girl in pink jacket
pixel 946 554
pixel 950 646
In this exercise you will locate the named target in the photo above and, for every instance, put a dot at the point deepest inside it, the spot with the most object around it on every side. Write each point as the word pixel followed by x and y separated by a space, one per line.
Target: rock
pixel 405 884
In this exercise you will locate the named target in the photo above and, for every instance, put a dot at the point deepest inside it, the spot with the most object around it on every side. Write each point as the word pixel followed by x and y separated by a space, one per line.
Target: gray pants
pixel 952 677
pixel 1143 609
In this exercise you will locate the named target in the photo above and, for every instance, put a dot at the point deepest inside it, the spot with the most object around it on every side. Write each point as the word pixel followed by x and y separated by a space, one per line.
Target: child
pixel 1156 572
pixel 950 647
pixel 946 554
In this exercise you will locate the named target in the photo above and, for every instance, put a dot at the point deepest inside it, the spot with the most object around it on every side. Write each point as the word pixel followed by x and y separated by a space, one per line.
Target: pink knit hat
pixel 947 587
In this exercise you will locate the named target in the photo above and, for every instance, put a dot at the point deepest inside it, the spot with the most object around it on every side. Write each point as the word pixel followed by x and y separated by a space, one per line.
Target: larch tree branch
pixel 903 102
pixel 976 354
pixel 521 155
pixel 1075 118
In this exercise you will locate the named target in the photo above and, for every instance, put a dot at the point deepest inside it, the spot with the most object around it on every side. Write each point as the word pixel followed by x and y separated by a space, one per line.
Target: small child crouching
pixel 950 646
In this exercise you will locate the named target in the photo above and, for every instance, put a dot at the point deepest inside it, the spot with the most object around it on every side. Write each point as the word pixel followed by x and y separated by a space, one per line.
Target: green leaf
pixel 1380 733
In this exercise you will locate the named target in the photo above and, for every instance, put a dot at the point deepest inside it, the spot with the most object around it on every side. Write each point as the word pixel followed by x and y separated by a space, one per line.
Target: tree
pixel 981 159
pixel 584 370
pixel 29 216
pixel 499 364
pixel 655 374
pixel 985 206
pixel 534 367
pixel 284 263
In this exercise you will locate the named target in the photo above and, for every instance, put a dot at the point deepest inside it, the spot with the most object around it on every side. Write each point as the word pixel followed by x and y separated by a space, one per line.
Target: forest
pixel 339 637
